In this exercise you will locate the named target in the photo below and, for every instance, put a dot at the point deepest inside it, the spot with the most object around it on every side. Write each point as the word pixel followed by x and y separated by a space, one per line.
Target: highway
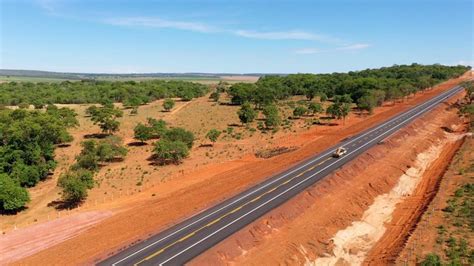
pixel 184 241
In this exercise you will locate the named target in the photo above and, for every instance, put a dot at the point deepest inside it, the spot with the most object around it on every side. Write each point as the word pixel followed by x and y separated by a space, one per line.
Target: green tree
pixel 169 151
pixel 187 96
pixel 110 149
pixel 215 96
pixel 242 92
pixel 367 102
pixel 168 104
pixel 180 134
pixel 334 110
pixel 246 113
pixel 142 132
pixel 272 117
pixel 299 111
pixel 315 108
pixel 74 190
pixel 339 110
pixel 323 97
pixel 469 88
pixel 132 102
pixel 393 94
pixel 106 117
pixel 67 116
pixel 431 259
pixel 158 127
pixel 213 135
pixel 12 196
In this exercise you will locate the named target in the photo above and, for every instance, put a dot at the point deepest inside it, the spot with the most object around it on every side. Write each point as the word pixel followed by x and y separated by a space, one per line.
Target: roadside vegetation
pixel 80 177
pixel 455 233
pixel 366 89
pixel 27 143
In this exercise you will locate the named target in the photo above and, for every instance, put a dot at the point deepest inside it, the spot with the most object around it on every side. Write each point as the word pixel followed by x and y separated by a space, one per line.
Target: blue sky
pixel 279 36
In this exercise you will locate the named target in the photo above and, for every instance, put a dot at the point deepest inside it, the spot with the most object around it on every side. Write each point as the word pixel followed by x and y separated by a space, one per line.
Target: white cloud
pixel 48 5
pixel 160 23
pixel 465 62
pixel 286 35
pixel 153 22
pixel 351 47
pixel 307 51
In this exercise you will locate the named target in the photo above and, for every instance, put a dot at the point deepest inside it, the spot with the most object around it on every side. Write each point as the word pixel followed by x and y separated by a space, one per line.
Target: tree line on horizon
pixel 130 93
pixel 367 89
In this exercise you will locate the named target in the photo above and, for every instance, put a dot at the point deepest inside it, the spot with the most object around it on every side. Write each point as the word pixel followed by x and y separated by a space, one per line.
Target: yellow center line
pixel 227 214
pixel 238 208
pixel 213 222
pixel 186 236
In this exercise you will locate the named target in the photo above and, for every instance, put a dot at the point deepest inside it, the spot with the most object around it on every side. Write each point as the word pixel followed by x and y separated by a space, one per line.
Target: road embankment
pixel 372 202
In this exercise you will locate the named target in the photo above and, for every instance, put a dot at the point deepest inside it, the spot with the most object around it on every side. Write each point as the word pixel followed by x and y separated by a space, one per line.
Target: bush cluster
pixel 173 144
pixel 79 178
pixel 27 143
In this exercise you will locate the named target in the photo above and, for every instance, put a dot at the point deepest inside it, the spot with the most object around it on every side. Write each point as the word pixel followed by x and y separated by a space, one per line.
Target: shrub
pixel 215 96
pixel 106 117
pixel 299 111
pixel 246 113
pixel 142 132
pixel 213 135
pixel 158 127
pixel 272 118
pixel 168 104
pixel 180 134
pixel 431 259
pixel 12 196
pixel 169 151
pixel 74 189
pixel 110 149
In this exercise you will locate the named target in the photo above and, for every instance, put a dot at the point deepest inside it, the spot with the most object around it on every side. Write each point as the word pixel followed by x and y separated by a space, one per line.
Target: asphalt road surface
pixel 184 241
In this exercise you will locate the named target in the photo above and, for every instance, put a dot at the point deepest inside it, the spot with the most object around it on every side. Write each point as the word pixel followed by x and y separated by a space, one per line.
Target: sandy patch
pixel 41 236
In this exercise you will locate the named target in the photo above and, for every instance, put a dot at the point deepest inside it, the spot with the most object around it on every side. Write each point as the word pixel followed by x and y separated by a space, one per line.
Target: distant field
pixel 30 79
pixel 203 80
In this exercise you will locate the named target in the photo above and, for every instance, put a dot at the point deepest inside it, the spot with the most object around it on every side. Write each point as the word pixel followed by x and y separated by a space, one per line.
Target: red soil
pixel 300 230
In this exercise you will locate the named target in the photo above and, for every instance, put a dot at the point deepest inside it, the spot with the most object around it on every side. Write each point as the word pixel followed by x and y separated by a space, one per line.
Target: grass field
pixel 202 80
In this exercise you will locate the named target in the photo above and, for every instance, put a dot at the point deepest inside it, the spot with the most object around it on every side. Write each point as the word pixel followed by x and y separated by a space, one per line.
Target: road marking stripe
pixel 304 180
pixel 330 150
pixel 186 236
pixel 213 222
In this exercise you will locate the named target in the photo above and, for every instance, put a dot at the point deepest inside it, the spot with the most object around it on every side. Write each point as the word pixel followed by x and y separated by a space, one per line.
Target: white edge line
pixel 276 180
pixel 292 187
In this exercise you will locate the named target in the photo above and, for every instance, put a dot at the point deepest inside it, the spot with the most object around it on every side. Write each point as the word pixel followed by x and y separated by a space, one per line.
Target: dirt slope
pixel 314 223
pixel 427 237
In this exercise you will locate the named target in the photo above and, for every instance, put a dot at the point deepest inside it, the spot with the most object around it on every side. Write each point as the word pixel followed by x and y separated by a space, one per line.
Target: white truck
pixel 339 152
